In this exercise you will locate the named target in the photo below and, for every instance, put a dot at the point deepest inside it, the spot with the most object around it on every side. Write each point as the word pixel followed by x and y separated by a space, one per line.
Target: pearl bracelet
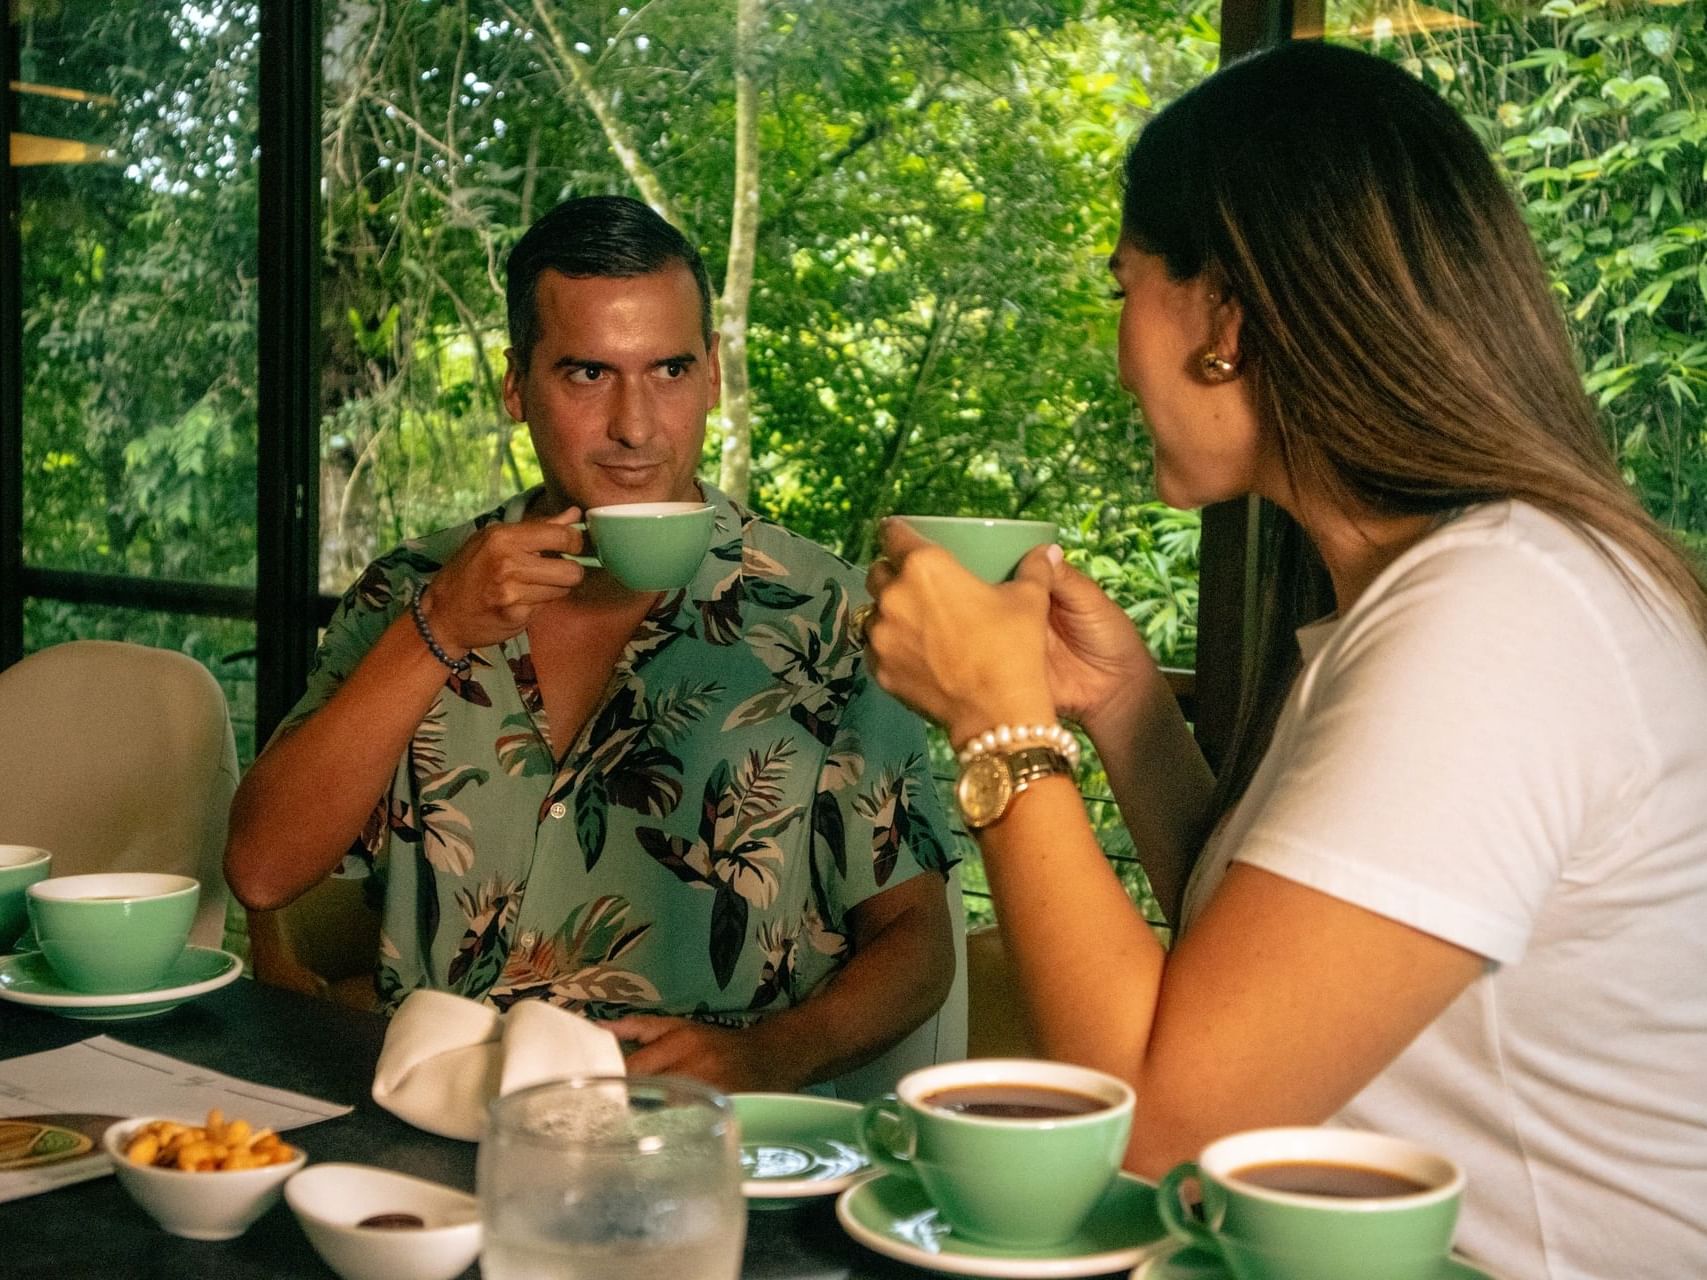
pixel 1006 736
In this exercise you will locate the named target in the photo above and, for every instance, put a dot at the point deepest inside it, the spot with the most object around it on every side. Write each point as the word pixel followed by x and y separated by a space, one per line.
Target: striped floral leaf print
pixel 577 966
pixel 522 753
pixel 489 910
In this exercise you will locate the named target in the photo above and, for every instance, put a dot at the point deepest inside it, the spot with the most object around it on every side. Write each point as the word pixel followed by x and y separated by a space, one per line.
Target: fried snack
pixel 219 1146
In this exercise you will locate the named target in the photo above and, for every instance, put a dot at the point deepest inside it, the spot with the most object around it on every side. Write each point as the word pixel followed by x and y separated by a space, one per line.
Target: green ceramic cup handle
pixel 882 1119
pixel 1178 1220
pixel 592 562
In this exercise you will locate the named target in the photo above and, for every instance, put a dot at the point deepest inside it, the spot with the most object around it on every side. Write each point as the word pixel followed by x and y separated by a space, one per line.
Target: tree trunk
pixel 735 474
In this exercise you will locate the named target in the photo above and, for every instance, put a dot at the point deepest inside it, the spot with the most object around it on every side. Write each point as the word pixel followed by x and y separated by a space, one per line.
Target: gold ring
pixel 861 619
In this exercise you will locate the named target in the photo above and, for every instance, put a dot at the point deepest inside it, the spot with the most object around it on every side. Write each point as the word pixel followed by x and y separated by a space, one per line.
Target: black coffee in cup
pixel 1322 1178
pixel 1013 1101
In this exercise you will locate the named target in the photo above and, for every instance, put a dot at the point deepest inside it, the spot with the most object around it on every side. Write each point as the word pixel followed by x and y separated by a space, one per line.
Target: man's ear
pixel 714 371
pixel 513 374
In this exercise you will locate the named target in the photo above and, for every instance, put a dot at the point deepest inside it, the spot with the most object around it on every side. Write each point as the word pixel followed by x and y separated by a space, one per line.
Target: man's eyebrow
pixel 578 362
pixel 686 357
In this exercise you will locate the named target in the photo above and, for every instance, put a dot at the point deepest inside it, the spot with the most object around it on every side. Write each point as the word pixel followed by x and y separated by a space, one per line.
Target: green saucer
pixel 28 979
pixel 892 1216
pixel 1190 1262
pixel 797 1146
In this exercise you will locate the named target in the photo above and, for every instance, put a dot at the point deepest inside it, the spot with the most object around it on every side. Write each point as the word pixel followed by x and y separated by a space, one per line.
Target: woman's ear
pixel 1220 359
pixel 1226 319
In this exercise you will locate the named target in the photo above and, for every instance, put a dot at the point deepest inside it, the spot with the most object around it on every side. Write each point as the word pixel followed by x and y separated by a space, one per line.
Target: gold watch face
pixel 984 789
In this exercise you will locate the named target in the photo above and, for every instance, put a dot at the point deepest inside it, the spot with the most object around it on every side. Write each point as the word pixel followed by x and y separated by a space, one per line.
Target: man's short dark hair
pixel 610 236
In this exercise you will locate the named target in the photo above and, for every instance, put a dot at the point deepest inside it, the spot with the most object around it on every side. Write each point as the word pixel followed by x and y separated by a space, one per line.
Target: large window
pixel 916 317
pixel 916 314
pixel 135 170
pixel 905 206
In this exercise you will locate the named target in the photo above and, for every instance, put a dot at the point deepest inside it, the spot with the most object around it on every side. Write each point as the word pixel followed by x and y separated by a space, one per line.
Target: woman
pixel 1455 878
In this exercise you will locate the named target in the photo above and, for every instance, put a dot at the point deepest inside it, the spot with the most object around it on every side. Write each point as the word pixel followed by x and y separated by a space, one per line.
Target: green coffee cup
pixel 990 548
pixel 21 865
pixel 1319 1204
pixel 1019 1182
pixel 115 932
pixel 649 546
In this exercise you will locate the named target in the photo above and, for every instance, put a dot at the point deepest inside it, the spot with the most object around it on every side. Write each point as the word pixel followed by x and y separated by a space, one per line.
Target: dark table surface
pixel 291 1042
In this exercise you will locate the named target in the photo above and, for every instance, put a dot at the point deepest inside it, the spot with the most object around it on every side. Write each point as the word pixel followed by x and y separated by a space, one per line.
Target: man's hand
pixel 490 588
pixel 728 1060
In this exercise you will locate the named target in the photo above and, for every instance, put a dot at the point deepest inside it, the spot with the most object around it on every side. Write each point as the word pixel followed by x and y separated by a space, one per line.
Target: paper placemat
pixel 79 1088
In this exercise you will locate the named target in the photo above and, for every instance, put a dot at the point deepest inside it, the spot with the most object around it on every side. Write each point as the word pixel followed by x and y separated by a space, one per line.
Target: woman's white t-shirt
pixel 1503 743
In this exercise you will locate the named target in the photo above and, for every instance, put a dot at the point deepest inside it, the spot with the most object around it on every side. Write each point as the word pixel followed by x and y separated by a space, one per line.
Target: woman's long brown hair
pixel 1399 336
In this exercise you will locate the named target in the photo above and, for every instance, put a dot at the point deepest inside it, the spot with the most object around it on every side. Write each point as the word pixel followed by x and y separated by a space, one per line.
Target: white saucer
pixel 27 978
pixel 1190 1262
pixel 796 1146
pixel 891 1215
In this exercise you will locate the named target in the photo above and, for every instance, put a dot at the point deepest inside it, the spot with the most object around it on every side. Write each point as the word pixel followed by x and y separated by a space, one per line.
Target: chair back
pixel 120 757
pixel 996 1025
pixel 940 1038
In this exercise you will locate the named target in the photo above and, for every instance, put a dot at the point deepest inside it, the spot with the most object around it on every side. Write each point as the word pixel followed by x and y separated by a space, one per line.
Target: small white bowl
pixel 215 1205
pixel 329 1201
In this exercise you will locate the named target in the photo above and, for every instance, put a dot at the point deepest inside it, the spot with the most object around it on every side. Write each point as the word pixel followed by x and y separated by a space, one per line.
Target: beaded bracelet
pixel 459 665
pixel 1004 736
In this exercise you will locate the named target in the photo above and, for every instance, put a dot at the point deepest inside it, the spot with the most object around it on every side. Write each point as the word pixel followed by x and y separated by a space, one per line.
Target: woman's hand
pixel 968 655
pixel 1098 665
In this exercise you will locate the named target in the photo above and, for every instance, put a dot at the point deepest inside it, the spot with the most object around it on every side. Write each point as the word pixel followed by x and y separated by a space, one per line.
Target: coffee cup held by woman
pixel 1449 883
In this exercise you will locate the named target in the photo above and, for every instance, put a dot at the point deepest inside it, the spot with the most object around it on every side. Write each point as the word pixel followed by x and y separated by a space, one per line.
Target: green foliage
pixel 1598 112
pixel 139 287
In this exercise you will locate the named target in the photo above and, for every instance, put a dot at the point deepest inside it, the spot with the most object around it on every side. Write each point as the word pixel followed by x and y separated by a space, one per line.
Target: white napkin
pixel 446 1057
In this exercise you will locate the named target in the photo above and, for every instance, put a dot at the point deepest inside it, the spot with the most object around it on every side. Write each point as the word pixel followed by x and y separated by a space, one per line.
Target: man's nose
pixel 630 420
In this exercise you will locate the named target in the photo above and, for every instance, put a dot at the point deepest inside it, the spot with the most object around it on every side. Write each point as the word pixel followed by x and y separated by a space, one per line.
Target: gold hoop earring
pixel 1214 368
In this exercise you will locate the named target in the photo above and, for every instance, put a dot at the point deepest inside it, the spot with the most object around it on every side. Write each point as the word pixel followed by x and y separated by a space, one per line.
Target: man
pixel 694 803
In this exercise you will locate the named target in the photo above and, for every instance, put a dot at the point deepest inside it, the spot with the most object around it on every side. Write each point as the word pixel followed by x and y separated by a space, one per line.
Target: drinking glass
pixel 612 1178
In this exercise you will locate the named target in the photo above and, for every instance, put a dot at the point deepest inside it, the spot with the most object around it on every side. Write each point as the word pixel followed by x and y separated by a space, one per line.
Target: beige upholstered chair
pixel 119 757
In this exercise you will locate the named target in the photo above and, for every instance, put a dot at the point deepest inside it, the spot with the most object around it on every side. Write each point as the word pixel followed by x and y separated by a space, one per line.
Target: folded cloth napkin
pixel 446 1057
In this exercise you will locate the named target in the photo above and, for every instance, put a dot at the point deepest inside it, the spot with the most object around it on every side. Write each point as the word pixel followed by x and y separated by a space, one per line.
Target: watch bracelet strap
pixel 1027 764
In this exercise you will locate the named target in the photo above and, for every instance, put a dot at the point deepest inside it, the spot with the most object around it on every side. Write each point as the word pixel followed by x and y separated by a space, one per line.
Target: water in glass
pixel 637 1178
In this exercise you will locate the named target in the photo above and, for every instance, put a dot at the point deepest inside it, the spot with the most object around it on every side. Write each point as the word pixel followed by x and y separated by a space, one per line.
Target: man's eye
pixel 675 368
pixel 586 373
pixel 1117 294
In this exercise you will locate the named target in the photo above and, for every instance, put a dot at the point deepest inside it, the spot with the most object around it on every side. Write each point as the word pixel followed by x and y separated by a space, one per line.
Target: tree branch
pixel 573 75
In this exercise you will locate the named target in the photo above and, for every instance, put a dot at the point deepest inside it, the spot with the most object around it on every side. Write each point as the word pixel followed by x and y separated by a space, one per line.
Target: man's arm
pixel 305 799
pixel 898 975
pixel 307 795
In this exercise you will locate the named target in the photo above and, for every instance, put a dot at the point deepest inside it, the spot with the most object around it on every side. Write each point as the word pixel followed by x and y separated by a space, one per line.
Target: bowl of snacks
pixel 373 1224
pixel 202 1181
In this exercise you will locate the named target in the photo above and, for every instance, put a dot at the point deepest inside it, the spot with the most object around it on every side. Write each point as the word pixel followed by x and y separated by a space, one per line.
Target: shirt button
pixel 528 939
pixel 558 810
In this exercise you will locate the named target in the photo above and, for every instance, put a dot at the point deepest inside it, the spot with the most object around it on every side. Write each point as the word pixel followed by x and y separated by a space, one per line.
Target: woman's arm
pixel 1101 675
pixel 1093 669
pixel 1277 1007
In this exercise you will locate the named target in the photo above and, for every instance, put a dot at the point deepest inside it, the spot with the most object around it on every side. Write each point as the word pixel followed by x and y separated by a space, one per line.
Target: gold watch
pixel 989 783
